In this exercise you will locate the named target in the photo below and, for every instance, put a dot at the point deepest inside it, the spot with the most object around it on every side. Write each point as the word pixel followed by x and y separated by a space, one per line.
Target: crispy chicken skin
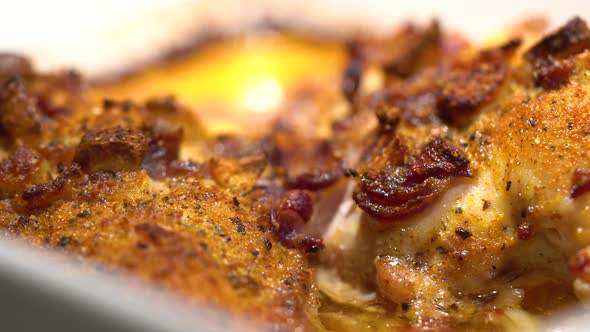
pixel 440 186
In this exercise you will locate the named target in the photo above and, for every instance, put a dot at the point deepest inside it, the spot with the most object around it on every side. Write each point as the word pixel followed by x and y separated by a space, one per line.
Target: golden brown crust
pixel 109 182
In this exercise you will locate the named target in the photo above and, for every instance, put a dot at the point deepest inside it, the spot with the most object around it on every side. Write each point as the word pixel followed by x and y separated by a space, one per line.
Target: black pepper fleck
pixel 240 228
pixel 267 243
pixel 508 185
pixel 349 172
pixel 463 233
pixel 83 214
pixel 236 202
pixel 108 103
pixel 64 241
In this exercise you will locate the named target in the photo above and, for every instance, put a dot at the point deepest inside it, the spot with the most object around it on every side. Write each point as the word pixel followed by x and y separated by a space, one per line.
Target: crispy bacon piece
pixel 238 175
pixel 388 118
pixel 419 109
pixel 419 45
pixel 17 170
pixel 294 211
pixel 572 38
pixel 43 195
pixel 19 117
pixel 316 170
pixel 501 52
pixel 551 66
pixel 113 149
pixel 581 182
pixel 183 168
pixel 14 65
pixel 163 147
pixel 311 245
pixel 551 74
pixel 468 88
pixel 296 207
pixel 316 179
pixel 395 192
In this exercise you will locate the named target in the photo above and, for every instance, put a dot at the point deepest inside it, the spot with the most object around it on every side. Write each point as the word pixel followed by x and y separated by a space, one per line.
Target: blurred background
pixel 225 58
pixel 108 35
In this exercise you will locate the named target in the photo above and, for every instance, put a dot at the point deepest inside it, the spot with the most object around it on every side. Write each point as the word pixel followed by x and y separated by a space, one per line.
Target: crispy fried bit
pixel 572 38
pixel 298 202
pixel 14 65
pixel 238 175
pixel 395 192
pixel 316 179
pixel 579 265
pixel 169 110
pixel 184 168
pixel 314 167
pixel 311 245
pixel 17 170
pixel 43 195
pixel 19 117
pixel 420 46
pixel 581 182
pixel 113 149
pixel 396 282
pixel 469 88
pixel 388 117
pixel 163 148
pixel 551 74
pixel 419 109
pixel 294 211
pixel 501 52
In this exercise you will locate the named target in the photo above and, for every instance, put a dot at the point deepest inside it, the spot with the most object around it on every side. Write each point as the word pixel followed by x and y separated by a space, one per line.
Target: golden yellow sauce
pixel 246 77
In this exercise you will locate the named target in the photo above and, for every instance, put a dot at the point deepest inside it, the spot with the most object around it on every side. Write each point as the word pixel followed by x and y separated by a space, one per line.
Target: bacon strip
pixel 43 195
pixel 572 38
pixel 551 68
pixel 469 88
pixel 395 192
